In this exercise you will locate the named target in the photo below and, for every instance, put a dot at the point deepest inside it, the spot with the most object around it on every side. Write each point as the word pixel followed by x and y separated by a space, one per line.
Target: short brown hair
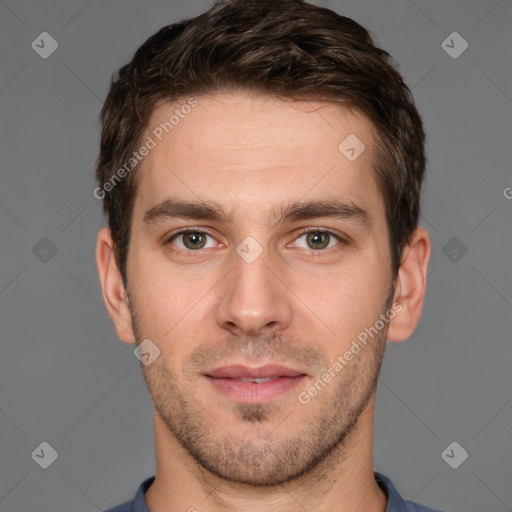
pixel 285 48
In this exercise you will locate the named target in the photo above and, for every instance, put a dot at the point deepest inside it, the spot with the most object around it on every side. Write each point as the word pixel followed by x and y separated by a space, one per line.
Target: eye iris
pixel 317 238
pixel 197 240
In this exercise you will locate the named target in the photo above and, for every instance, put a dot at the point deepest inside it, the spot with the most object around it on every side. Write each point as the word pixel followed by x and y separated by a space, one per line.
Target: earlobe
pixel 410 287
pixel 114 293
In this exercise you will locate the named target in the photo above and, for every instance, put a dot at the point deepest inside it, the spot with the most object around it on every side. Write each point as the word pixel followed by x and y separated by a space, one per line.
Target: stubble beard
pixel 316 445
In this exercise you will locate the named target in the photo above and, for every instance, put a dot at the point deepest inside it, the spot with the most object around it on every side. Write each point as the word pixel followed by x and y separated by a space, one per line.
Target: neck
pixel 342 482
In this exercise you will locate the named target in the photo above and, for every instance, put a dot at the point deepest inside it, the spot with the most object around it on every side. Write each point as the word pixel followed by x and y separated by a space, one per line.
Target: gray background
pixel 65 377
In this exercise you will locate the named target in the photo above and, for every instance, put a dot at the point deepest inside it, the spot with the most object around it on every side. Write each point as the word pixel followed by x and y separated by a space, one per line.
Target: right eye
pixel 191 240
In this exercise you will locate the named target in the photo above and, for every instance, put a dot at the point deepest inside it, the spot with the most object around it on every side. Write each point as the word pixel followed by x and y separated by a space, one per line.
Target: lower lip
pixel 253 392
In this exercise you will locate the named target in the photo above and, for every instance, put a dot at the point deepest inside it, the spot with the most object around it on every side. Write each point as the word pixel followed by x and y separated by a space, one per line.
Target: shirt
pixel 395 502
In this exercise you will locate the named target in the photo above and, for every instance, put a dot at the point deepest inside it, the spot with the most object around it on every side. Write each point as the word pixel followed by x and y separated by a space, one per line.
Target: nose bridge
pixel 253 300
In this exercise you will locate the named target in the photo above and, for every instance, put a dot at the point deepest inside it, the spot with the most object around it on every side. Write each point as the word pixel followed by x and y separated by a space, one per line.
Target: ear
pixel 410 286
pixel 114 294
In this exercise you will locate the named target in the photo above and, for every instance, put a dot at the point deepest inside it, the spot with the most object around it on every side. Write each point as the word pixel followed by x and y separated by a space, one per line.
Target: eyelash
pixel 317 252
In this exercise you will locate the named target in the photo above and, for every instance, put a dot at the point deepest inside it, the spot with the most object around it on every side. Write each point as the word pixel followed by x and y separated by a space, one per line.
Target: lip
pixel 240 371
pixel 284 380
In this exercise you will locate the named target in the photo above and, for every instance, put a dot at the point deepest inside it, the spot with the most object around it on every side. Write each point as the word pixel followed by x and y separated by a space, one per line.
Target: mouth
pixel 254 385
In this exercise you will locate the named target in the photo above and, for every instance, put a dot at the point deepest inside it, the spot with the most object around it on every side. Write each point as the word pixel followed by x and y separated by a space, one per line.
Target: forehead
pixel 256 151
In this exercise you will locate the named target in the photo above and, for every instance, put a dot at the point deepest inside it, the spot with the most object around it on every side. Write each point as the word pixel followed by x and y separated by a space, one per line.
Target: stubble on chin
pixel 310 439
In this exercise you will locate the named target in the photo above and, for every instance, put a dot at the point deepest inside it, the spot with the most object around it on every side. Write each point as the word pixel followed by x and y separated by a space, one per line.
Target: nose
pixel 253 299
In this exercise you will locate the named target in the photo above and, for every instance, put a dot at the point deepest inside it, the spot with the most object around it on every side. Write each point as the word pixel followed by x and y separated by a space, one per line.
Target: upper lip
pixel 246 372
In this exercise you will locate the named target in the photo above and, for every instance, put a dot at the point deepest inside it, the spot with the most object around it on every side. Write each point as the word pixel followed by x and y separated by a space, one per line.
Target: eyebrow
pixel 172 208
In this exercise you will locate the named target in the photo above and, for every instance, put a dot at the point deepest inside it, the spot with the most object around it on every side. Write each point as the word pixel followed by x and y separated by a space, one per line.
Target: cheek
pixel 172 307
pixel 168 303
pixel 342 302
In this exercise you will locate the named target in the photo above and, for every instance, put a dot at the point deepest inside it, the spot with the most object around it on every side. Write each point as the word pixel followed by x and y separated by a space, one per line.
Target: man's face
pixel 253 295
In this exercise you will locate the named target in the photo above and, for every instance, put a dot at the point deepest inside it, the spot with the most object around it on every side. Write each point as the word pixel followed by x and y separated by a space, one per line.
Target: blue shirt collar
pixel 395 502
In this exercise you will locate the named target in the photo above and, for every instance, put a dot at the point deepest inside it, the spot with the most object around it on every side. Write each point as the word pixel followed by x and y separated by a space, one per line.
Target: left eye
pixel 317 239
pixel 192 240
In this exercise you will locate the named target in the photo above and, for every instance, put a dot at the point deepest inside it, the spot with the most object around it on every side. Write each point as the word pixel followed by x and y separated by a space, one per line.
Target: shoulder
pixel 396 503
pixel 412 506
pixel 125 507
pixel 138 504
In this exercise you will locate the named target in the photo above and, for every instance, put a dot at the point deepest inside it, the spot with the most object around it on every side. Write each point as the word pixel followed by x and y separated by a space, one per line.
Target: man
pixel 261 167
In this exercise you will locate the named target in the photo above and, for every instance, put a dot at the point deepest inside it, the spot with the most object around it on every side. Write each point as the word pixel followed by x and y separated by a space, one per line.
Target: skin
pixel 295 304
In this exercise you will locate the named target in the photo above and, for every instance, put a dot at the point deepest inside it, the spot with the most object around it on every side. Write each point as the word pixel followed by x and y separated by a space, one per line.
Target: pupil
pixel 194 239
pixel 317 238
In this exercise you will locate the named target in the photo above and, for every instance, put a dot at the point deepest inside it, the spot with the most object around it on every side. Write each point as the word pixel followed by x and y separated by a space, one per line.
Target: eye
pixel 191 239
pixel 317 239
